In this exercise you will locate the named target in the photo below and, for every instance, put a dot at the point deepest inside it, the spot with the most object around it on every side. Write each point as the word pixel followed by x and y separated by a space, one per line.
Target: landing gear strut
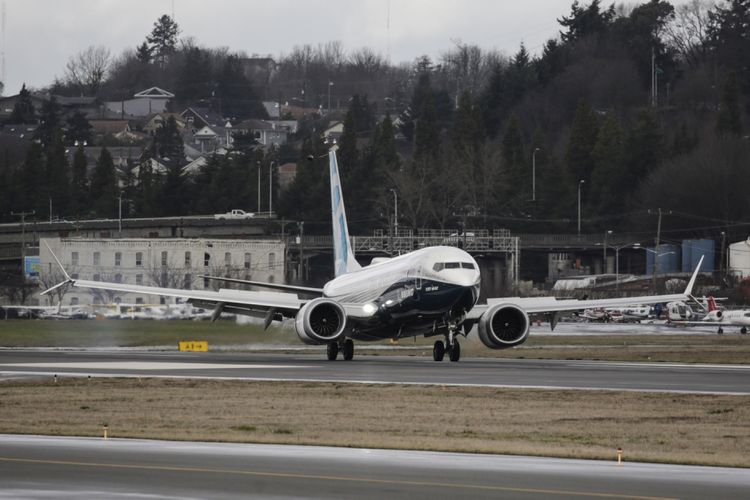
pixel 451 346
pixel 720 331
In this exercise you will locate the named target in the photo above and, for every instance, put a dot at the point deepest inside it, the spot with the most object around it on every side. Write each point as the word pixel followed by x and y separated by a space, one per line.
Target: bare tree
pixel 687 33
pixel 50 278
pixel 88 68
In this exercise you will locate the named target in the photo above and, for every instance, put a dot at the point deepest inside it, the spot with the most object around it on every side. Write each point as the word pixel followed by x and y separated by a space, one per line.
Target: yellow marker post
pixel 619 456
pixel 106 428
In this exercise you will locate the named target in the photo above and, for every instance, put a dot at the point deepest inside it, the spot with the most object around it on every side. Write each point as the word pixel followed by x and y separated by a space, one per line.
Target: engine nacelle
pixel 320 321
pixel 503 326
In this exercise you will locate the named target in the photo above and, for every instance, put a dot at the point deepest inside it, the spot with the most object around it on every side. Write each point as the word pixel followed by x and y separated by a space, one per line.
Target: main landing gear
pixel 453 349
pixel 347 348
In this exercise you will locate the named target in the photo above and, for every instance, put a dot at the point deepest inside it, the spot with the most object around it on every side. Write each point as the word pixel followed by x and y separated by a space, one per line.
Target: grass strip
pixel 653 427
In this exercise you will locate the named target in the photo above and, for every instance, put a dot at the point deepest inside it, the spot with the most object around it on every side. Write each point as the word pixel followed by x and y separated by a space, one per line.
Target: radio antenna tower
pixel 2 52
pixel 388 32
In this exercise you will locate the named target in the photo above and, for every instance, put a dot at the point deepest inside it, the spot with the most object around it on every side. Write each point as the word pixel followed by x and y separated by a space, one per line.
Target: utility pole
pixel 659 212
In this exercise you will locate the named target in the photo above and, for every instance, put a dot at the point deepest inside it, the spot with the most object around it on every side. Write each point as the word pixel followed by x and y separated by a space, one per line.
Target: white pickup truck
pixel 235 214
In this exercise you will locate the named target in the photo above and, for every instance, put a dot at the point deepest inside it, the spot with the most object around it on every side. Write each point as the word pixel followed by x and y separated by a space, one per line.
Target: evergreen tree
pixel 79 184
pixel 513 158
pixel 162 39
pixel 468 130
pixel 167 142
pixel 583 135
pixel 585 21
pixel 57 176
pixel 172 199
pixel 23 110
pixel 143 53
pixel 49 121
pixel 148 188
pixel 608 178
pixel 729 118
pixel 79 129
pixel 729 38
pixel 644 148
pixel 195 76
pixel 236 92
pixel 27 180
pixel 104 187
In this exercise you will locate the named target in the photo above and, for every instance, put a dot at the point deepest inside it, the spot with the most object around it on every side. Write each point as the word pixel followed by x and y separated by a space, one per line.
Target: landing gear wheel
pixel 455 351
pixel 438 350
pixel 721 331
pixel 743 330
pixel 348 348
pixel 332 351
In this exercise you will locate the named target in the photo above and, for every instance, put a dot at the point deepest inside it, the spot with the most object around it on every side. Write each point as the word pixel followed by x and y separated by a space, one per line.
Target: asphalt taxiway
pixel 35 467
pixel 516 373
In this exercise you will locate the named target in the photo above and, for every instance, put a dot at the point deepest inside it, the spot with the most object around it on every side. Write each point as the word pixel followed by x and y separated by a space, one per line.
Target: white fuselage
pixel 430 286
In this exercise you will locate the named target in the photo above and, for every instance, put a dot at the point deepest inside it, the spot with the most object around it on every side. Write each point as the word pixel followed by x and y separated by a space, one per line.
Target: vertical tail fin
pixel 343 257
pixel 712 304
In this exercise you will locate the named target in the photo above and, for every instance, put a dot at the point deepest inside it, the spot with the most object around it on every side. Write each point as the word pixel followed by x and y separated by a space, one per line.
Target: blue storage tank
pixel 669 259
pixel 691 254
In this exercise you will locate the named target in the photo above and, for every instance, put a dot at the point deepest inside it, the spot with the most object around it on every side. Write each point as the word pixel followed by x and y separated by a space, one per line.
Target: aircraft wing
pixel 258 304
pixel 552 305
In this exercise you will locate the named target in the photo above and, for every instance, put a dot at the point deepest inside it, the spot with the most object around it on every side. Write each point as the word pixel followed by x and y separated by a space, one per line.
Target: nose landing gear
pixel 451 346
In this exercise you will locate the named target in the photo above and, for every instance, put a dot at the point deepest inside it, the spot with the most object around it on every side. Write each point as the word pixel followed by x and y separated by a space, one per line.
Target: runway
pixel 36 467
pixel 514 373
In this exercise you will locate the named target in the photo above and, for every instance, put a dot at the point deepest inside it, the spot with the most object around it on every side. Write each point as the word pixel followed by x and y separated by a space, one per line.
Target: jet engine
pixel 503 326
pixel 320 321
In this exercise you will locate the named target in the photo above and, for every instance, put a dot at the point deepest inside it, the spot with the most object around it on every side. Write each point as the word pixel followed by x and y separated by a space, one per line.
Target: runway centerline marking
pixel 149 365
pixel 291 475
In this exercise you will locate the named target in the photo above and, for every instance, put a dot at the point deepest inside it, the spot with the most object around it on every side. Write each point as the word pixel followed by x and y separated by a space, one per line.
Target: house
pixel 267 133
pixel 123 157
pixel 8 103
pixel 144 103
pixel 156 120
pixel 334 131
pixel 196 118
pixel 120 129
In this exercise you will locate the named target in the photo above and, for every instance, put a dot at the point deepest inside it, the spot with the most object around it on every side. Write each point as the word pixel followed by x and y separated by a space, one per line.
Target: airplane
pixel 432 291
pixel 726 317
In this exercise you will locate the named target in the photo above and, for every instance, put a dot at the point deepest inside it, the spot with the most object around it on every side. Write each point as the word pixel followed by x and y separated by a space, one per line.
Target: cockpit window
pixel 439 266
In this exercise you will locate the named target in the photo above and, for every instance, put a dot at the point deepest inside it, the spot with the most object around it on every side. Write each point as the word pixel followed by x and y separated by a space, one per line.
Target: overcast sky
pixel 40 35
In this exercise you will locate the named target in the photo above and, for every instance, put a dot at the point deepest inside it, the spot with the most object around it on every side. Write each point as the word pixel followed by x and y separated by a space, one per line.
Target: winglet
pixel 67 280
pixel 689 289
pixel 65 273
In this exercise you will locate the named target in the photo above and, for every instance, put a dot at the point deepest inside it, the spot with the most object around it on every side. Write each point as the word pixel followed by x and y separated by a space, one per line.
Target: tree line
pixel 646 105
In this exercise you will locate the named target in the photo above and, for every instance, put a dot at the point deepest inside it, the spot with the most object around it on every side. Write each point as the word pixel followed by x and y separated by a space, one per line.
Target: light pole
pixel 617 261
pixel 580 184
pixel 604 256
pixel 330 84
pixel 258 187
pixel 270 188
pixel 119 215
pixel 395 212
pixel 533 174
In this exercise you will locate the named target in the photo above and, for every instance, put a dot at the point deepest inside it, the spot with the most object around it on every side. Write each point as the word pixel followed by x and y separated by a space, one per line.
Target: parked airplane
pixel 432 291
pixel 722 318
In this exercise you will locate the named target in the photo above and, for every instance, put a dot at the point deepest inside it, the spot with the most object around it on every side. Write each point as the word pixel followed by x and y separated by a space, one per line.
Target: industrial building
pixel 166 262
